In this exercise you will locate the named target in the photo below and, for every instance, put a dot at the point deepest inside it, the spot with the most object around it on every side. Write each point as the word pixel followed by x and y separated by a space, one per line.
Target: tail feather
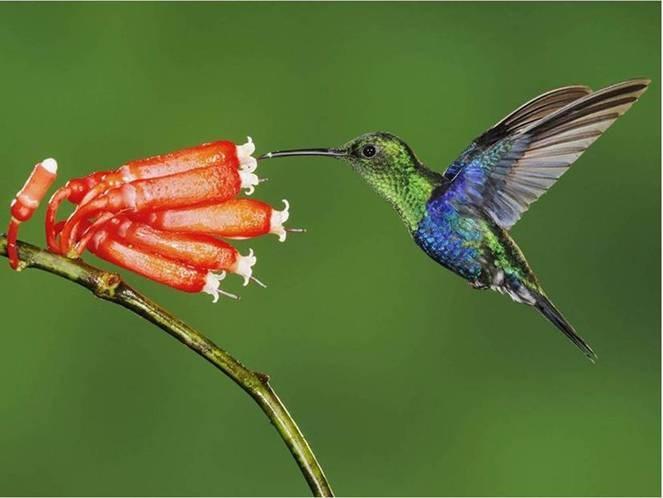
pixel 548 310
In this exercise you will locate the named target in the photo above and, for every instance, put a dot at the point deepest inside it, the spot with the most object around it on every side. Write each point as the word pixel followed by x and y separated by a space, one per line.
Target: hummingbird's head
pixel 385 161
pixel 382 159
pixel 388 165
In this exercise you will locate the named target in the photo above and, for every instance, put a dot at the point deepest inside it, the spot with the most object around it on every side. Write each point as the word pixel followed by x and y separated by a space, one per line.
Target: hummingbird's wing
pixel 518 166
pixel 526 114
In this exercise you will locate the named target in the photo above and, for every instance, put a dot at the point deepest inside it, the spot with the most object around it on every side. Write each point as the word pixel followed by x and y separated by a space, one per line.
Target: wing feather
pixel 517 169
pixel 534 111
pixel 528 113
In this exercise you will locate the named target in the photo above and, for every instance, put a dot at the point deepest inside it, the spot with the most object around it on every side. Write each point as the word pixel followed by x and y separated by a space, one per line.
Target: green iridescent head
pixel 388 165
pixel 385 161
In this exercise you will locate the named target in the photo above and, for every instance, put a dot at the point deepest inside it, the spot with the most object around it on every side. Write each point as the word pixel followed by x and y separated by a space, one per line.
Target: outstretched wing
pixel 523 160
pixel 526 114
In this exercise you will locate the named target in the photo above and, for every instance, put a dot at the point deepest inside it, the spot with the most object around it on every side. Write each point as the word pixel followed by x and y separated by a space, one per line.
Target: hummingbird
pixel 461 218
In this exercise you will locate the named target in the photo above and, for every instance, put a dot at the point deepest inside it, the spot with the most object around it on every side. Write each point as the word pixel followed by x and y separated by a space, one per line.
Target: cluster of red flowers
pixel 161 217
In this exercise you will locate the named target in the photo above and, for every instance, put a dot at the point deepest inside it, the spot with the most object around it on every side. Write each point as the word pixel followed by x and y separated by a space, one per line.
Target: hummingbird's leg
pixel 478 285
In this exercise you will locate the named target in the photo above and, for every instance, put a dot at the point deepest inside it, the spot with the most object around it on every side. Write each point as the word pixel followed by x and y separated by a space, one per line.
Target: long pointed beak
pixel 303 152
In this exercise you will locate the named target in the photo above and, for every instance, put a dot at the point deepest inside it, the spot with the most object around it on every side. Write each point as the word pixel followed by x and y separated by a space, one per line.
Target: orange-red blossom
pixel 161 217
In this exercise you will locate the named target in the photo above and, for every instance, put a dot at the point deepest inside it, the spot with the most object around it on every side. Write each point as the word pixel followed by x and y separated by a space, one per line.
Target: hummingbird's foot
pixel 476 284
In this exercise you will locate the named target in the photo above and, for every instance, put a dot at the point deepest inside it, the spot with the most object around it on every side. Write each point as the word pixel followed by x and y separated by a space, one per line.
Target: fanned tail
pixel 548 310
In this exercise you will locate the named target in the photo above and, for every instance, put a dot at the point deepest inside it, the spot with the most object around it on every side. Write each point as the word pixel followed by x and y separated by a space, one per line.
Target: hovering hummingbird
pixel 461 218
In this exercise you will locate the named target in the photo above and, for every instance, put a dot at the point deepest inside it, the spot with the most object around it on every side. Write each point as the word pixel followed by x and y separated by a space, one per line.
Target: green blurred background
pixel 405 380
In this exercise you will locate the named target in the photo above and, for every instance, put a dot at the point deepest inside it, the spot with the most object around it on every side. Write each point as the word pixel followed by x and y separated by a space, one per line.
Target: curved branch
pixel 109 286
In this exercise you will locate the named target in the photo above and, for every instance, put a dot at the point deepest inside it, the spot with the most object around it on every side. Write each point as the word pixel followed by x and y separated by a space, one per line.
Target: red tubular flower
pixel 27 201
pixel 236 218
pixel 194 249
pixel 155 267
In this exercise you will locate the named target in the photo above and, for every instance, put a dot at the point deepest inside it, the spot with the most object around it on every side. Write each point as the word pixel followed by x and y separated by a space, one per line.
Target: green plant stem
pixel 110 287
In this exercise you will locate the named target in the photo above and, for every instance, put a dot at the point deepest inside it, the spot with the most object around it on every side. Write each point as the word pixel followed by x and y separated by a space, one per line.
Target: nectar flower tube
pixel 221 154
pixel 27 201
pixel 156 267
pixel 197 250
pixel 235 218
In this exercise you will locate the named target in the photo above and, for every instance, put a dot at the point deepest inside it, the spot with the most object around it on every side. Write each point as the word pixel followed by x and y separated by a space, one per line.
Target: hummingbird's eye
pixel 368 150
